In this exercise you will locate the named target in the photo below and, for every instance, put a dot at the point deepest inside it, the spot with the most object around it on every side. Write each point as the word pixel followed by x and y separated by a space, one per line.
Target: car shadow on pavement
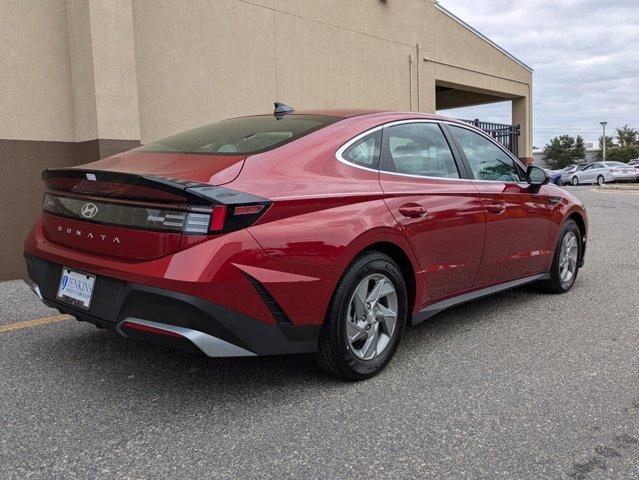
pixel 102 363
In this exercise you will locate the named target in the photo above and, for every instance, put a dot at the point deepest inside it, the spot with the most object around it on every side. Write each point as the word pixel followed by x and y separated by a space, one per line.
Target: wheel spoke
pixel 360 299
pixel 389 318
pixel 369 350
pixel 373 297
pixel 355 331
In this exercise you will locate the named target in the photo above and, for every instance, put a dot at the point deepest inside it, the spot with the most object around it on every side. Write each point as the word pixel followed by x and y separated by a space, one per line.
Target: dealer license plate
pixel 76 288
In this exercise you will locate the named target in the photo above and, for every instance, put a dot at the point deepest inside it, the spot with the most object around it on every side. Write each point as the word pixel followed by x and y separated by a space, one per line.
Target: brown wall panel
pixel 21 165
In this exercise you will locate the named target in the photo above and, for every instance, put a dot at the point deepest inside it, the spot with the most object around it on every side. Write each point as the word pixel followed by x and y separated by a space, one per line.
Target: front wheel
pixel 574 181
pixel 601 180
pixel 565 266
pixel 365 319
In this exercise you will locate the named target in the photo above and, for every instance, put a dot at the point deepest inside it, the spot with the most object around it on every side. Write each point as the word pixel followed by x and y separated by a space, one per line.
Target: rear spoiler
pixel 144 187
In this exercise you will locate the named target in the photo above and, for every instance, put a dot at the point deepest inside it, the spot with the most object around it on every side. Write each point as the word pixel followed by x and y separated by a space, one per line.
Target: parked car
pixel 603 172
pixel 320 232
pixel 635 164
pixel 555 176
pixel 567 172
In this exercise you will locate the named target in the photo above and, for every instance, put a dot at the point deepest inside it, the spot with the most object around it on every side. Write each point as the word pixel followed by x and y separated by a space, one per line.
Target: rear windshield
pixel 241 136
pixel 616 164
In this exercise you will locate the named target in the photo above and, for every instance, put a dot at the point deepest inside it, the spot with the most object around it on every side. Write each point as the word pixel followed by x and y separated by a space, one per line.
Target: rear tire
pixel 565 264
pixel 359 336
pixel 601 180
pixel 574 182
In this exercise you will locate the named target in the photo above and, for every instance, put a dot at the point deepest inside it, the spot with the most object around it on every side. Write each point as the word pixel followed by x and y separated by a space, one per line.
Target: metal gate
pixel 507 135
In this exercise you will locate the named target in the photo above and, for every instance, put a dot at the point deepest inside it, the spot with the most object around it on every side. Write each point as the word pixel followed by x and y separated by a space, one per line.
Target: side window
pixel 419 149
pixel 365 151
pixel 487 160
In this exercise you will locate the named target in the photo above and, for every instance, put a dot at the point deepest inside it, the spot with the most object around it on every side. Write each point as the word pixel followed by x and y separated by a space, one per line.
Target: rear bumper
pixel 197 324
pixel 622 177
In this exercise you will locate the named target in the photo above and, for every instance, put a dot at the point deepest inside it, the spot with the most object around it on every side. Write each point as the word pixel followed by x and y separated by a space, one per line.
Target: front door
pixel 590 173
pixel 517 215
pixel 439 211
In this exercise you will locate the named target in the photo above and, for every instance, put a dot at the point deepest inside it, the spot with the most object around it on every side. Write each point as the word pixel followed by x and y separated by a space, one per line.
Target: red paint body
pixel 323 213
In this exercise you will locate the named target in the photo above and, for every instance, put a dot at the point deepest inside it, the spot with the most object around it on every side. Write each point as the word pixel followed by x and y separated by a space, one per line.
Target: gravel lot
pixel 520 385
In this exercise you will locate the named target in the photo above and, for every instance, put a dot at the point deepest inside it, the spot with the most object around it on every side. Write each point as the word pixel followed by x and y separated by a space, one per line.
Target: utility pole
pixel 603 124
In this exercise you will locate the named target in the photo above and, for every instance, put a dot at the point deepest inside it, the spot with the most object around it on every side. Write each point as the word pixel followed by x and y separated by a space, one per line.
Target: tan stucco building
pixel 82 79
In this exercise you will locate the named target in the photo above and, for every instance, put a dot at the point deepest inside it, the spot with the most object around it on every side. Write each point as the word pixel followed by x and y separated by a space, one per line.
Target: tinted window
pixel 241 135
pixel 487 160
pixel 419 149
pixel 365 151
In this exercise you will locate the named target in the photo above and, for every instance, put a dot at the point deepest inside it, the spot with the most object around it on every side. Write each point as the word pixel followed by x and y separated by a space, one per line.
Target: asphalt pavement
pixel 521 385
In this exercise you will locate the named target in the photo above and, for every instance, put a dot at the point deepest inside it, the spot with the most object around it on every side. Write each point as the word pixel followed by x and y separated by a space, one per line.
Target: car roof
pixel 348 113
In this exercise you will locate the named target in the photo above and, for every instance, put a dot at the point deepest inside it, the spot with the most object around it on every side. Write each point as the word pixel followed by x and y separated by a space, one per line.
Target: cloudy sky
pixel 585 54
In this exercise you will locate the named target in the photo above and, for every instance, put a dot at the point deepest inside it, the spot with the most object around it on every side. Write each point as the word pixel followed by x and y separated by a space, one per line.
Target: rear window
pixel 241 136
pixel 616 164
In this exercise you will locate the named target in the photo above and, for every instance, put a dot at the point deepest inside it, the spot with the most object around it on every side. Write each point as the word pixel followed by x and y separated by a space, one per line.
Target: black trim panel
pixel 278 312
pixel 435 308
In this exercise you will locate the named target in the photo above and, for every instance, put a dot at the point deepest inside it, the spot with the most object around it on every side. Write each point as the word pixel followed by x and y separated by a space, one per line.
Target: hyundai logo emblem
pixel 89 210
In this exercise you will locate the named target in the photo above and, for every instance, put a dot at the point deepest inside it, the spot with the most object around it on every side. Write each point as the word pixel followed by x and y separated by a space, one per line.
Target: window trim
pixel 458 154
pixel 376 155
pixel 340 151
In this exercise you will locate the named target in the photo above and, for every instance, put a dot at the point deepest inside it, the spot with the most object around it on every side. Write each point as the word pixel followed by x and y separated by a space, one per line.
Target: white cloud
pixel 585 54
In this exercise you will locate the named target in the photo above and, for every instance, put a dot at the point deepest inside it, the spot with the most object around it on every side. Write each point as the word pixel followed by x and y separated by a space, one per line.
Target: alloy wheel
pixel 371 317
pixel 568 254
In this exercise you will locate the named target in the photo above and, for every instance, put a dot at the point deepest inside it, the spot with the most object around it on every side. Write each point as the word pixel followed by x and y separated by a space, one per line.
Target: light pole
pixel 603 124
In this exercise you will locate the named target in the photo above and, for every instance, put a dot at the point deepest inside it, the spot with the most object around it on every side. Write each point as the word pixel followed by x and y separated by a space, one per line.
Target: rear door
pixel 517 215
pixel 427 190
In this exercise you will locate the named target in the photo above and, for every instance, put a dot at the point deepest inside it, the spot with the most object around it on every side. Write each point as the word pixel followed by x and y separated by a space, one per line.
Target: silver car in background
pixel 603 172
pixel 567 172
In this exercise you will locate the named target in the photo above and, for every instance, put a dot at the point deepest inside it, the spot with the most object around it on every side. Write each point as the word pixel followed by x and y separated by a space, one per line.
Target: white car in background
pixel 635 164
pixel 603 172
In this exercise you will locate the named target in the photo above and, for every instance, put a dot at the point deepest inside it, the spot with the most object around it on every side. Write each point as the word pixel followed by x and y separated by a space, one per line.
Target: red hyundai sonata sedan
pixel 317 232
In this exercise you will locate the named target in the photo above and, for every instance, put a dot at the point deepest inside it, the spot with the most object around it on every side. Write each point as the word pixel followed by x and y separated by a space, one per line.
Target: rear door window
pixel 419 149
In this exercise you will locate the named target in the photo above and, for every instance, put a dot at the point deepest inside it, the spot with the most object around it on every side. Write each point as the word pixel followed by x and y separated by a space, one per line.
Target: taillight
pixel 227 218
pixel 218 215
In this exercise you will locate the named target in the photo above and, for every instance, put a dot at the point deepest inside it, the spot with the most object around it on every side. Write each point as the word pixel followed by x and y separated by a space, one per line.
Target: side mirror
pixel 537 176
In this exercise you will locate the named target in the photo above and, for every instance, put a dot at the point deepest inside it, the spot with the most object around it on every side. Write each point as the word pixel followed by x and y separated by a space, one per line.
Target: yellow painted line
pixel 615 190
pixel 10 327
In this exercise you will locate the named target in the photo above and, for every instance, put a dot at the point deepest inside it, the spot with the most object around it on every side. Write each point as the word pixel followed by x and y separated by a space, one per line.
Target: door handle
pixel 412 210
pixel 496 208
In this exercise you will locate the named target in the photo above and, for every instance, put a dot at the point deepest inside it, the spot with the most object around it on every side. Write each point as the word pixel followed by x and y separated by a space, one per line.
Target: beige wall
pixel 360 53
pixel 78 70
pixel 198 64
pixel 36 99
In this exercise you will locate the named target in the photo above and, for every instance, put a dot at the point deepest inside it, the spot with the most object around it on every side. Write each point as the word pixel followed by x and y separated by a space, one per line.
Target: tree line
pixel 564 150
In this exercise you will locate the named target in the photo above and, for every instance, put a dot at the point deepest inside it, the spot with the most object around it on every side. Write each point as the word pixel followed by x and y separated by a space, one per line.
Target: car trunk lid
pixel 139 216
